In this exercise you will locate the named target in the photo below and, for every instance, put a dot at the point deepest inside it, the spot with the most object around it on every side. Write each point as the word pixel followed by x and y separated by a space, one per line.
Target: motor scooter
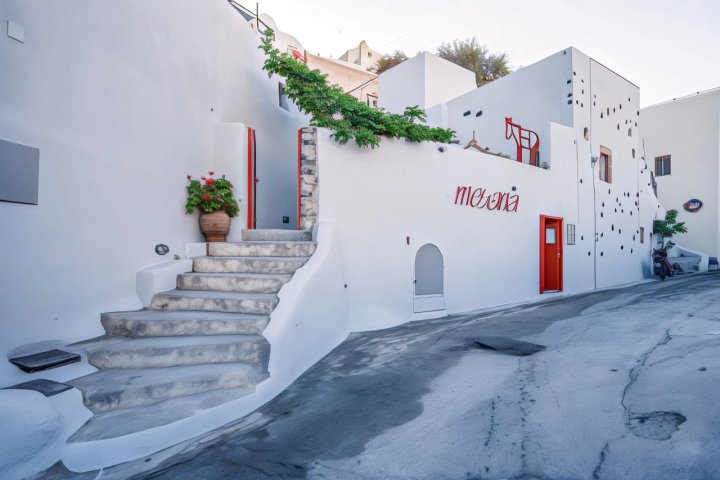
pixel 661 265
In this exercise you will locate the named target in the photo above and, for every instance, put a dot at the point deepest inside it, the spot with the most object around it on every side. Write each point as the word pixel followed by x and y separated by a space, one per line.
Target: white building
pixel 116 111
pixel 352 78
pixel 363 56
pixel 682 147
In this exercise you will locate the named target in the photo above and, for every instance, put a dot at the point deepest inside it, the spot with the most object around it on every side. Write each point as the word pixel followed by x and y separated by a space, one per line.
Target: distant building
pixel 352 78
pixel 363 56
pixel 681 147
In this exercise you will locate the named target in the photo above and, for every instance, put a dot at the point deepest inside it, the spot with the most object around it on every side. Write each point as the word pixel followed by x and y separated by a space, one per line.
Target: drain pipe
pixel 593 162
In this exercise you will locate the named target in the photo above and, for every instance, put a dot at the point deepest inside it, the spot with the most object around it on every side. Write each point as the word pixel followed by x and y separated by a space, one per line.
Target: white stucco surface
pixel 379 200
pixel 423 80
pixel 35 429
pixel 688 129
pixel 122 100
pixel 533 97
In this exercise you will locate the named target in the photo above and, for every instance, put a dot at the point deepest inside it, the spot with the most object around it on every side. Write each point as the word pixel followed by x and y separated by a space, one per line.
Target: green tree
pixel 350 119
pixel 470 54
pixel 669 226
pixel 388 61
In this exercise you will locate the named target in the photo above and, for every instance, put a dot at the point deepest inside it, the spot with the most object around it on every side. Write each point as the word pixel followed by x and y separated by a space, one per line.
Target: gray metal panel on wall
pixel 19 173
pixel 429 271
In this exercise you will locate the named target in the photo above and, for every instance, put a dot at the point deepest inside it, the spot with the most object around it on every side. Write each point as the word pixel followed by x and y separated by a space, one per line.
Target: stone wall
pixel 308 177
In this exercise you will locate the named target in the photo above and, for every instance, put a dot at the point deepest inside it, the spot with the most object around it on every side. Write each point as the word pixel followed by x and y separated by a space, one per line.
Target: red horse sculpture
pixel 525 140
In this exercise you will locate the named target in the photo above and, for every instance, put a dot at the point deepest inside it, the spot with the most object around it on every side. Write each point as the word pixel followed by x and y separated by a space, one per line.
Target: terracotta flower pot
pixel 215 226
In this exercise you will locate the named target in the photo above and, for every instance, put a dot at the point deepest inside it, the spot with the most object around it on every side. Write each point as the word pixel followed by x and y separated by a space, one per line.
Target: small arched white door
pixel 429 293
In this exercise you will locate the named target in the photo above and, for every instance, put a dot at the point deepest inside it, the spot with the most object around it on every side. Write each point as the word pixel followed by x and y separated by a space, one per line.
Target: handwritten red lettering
pixel 480 198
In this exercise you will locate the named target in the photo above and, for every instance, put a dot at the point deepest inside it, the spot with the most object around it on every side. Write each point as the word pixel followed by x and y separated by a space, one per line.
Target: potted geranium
pixel 214 198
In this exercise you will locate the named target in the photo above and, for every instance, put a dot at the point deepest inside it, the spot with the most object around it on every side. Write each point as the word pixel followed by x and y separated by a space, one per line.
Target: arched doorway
pixel 429 293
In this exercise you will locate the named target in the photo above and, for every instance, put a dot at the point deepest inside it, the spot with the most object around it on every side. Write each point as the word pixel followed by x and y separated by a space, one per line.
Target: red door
pixel 251 180
pixel 551 242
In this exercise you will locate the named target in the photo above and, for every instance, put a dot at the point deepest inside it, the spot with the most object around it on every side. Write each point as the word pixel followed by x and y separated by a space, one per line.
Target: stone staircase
pixel 196 347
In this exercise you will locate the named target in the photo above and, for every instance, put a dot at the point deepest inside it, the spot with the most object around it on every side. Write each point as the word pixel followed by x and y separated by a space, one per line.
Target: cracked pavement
pixel 625 388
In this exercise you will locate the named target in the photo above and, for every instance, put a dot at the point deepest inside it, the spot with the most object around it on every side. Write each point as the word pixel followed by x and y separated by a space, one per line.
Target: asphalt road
pixel 626 387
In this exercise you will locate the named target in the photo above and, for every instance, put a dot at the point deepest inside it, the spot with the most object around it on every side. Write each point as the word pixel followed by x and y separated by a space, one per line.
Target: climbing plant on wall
pixel 330 107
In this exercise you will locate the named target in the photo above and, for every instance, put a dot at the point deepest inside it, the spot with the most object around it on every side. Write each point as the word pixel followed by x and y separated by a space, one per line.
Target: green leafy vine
pixel 330 107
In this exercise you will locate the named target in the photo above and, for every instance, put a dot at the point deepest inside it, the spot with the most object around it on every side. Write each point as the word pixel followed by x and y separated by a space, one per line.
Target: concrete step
pixel 689 264
pixel 262 303
pixel 261 249
pixel 270 265
pixel 158 352
pixel 276 235
pixel 108 390
pixel 156 323
pixel 124 421
pixel 233 282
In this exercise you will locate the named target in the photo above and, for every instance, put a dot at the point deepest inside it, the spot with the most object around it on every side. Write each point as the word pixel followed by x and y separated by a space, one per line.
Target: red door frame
pixel 251 178
pixel 299 175
pixel 543 222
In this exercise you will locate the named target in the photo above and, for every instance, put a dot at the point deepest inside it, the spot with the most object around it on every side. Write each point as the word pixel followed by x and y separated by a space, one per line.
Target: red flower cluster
pixel 211 195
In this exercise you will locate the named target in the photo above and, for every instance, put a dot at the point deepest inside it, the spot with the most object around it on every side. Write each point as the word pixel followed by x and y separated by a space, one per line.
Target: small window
pixel 570 234
pixel 282 98
pixel 369 55
pixel 662 165
pixel 605 165
pixel 642 234
pixel 550 236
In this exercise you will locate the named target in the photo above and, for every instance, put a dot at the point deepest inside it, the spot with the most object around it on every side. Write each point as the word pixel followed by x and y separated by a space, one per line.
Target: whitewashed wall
pixel 688 129
pixel 375 199
pixel 533 96
pixel 423 80
pixel 122 99
pixel 608 105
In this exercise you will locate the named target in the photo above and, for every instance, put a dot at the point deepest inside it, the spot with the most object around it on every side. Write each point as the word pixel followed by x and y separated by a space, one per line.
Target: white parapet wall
pixel 160 278
pixel 384 204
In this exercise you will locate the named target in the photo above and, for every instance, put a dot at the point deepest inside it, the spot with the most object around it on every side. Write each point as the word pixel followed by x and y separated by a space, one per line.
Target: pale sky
pixel 668 48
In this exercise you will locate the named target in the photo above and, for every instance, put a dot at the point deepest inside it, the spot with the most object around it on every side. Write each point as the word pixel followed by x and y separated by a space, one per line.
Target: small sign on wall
pixel 19 172
pixel 693 205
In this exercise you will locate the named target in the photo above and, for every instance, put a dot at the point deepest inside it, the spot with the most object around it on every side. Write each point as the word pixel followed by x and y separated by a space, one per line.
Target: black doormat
pixel 45 360
pixel 46 387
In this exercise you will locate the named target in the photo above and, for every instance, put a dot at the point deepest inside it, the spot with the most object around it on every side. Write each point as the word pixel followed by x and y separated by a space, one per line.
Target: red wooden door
pixel 550 253
pixel 252 180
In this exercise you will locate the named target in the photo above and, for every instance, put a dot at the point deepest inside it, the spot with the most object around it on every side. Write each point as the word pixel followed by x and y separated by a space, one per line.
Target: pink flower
pixel 211 173
pixel 189 177
pixel 210 181
pixel 206 196
pixel 203 178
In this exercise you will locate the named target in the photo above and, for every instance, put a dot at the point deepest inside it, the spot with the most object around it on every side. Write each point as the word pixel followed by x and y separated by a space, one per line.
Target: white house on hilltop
pixel 682 147
pixel 544 194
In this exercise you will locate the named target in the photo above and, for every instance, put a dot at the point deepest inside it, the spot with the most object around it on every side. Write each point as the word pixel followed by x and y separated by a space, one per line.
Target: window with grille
pixel 662 165
pixel 570 234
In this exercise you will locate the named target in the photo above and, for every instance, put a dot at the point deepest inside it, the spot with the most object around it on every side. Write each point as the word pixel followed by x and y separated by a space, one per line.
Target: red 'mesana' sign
pixel 480 198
